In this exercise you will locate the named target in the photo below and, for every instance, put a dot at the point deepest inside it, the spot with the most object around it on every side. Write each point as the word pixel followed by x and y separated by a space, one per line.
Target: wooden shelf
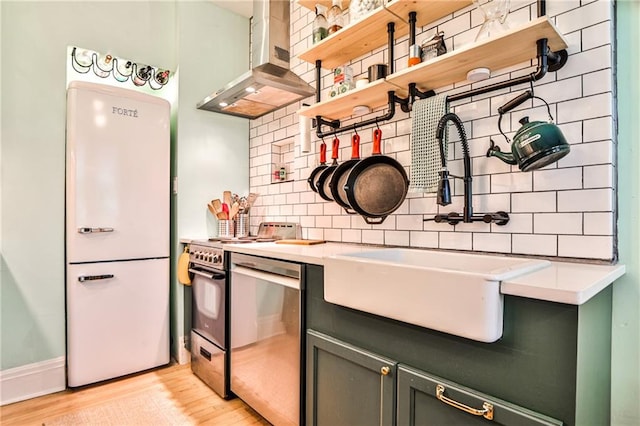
pixel 311 4
pixel 427 11
pixel 372 95
pixel 370 32
pixel 354 40
pixel 513 47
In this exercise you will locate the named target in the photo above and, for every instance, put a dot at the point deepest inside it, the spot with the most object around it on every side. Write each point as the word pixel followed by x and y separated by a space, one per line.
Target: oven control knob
pixel 209 257
pixel 216 258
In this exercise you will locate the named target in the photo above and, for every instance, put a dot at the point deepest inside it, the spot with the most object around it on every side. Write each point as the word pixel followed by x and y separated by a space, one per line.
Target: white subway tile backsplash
pixel 511 182
pixel 557 223
pixel 496 243
pixel 396 238
pixel 557 91
pixel 598 247
pixel 598 224
pixel 408 222
pixel 597 35
pixel 519 223
pixel 598 176
pixel 323 222
pixel 586 62
pixel 572 132
pixel 597 82
pixel 586 16
pixel 586 200
pixel 556 211
pixel 533 202
pixel 542 245
pixel 587 154
pixel 341 222
pixel 456 240
pixel 372 236
pixel 585 108
pixel 424 239
pixel 598 129
pixel 554 179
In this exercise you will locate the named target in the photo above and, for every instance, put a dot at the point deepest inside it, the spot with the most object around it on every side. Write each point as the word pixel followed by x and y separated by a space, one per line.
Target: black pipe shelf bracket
pixel 548 60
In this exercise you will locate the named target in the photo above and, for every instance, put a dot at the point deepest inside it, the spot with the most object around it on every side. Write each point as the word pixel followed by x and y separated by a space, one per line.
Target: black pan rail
pixel 547 61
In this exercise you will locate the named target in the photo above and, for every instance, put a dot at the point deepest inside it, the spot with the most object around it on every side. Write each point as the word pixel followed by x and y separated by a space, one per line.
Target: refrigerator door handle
pixel 93 230
pixel 83 278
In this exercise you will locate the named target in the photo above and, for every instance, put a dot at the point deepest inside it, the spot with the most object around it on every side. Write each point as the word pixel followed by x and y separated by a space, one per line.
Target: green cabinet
pixel 424 399
pixel 552 359
pixel 346 385
pixel 350 386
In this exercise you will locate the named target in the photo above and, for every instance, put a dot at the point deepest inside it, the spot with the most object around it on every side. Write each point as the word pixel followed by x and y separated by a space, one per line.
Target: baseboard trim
pixel 184 355
pixel 32 380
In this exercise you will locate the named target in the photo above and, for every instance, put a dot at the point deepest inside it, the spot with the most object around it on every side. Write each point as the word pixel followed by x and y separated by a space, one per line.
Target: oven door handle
pixel 207 274
pixel 266 276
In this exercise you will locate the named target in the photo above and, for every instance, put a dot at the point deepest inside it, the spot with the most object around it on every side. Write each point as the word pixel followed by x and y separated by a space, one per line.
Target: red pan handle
pixel 334 149
pixel 323 153
pixel 355 147
pixel 377 142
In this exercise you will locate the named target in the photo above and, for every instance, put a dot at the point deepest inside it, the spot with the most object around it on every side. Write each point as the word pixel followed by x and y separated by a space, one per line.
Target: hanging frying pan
pixel 325 176
pixel 341 174
pixel 376 185
pixel 315 174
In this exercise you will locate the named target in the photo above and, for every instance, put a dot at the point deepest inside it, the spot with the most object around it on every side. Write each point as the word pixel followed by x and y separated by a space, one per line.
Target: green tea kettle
pixel 536 144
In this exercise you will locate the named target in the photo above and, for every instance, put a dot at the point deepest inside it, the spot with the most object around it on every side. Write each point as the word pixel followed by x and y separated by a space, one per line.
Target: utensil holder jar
pixel 242 225
pixel 225 228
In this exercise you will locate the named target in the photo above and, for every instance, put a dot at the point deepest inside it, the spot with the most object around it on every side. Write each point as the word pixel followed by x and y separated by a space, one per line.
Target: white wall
pixel 190 37
pixel 35 37
pixel 566 209
pixel 212 153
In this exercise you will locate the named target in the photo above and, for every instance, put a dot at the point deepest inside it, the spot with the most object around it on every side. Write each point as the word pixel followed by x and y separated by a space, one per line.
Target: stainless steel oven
pixel 209 335
pixel 266 336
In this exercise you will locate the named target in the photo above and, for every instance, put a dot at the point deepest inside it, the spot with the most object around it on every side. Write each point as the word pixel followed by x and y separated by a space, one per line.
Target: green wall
pixel 34 37
pixel 626 291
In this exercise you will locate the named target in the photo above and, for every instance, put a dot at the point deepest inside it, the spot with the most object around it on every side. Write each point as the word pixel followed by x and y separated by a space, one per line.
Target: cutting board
pixel 300 242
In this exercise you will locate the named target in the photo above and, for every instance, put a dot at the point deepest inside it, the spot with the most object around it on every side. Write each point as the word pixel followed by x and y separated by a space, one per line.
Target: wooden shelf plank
pixel 353 40
pixel 372 95
pixel 370 32
pixel 311 4
pixel 427 11
pixel 512 47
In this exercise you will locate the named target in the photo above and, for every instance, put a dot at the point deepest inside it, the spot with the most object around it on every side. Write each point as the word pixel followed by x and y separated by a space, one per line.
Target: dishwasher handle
pixel 266 276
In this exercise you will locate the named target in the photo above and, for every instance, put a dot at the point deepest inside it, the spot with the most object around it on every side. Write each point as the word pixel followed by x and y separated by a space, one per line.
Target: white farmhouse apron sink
pixel 455 293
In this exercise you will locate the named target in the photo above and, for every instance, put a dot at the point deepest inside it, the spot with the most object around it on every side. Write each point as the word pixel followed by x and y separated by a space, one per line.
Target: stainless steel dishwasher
pixel 266 329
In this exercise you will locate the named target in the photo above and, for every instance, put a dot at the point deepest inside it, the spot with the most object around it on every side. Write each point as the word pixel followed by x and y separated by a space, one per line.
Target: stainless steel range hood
pixel 269 85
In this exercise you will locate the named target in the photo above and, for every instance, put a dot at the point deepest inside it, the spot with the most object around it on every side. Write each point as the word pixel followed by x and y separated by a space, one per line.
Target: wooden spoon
pixel 217 205
pixel 235 207
pixel 226 197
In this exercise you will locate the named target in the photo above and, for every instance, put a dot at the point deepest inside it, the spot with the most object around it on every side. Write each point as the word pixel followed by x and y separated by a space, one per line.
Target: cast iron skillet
pixel 313 177
pixel 341 174
pixel 325 176
pixel 376 185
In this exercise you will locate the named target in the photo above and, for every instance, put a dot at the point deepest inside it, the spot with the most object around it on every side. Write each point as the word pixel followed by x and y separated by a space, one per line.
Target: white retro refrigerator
pixel 117 232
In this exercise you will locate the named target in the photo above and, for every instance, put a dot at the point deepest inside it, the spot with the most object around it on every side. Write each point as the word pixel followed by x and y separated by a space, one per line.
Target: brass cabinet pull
pixel 385 370
pixel 486 411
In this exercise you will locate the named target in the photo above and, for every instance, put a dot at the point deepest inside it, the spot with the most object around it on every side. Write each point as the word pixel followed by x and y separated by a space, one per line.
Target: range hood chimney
pixel 269 85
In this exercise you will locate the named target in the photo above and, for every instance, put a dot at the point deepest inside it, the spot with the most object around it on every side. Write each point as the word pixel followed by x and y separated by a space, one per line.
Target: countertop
pixel 562 282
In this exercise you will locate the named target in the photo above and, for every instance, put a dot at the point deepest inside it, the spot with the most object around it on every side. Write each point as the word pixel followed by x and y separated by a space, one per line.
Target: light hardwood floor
pixel 186 394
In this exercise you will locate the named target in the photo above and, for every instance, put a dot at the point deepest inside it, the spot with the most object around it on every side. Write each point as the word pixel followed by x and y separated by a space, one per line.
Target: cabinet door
pixel 428 400
pixel 347 385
